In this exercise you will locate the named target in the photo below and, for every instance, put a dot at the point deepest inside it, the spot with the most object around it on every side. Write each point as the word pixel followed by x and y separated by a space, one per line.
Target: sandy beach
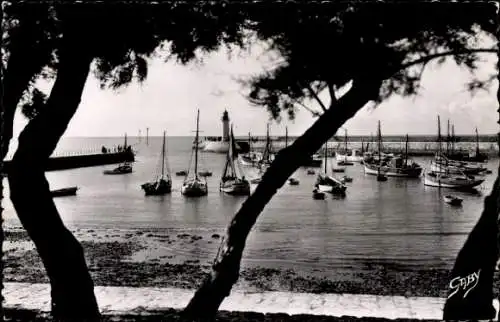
pixel 142 258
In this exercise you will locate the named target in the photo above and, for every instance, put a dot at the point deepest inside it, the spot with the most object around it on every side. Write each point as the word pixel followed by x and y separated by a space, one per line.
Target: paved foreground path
pixel 118 300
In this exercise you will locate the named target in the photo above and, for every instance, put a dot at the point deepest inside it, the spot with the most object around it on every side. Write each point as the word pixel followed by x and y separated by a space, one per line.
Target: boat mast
pixel 452 139
pixel 406 151
pixel 379 134
pixel 249 142
pixel 147 136
pixel 163 157
pixel 196 146
pixel 326 154
pixel 477 143
pixel 345 142
pixel 448 139
pixel 125 143
pixel 439 135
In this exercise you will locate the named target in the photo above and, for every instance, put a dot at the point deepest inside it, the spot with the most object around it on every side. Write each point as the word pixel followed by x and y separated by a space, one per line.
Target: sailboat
pixel 372 165
pixel 251 158
pixel 326 183
pixel 476 156
pixel 399 166
pixel 123 168
pixel 163 184
pixel 443 176
pixel 443 164
pixel 232 183
pixel 348 158
pixel 267 157
pixel 195 187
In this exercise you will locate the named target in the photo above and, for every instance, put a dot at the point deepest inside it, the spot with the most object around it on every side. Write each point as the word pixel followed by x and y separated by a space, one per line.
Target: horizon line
pixel 263 135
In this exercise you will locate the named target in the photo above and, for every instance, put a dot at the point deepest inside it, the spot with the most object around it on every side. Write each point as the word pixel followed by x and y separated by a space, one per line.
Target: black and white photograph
pixel 250 161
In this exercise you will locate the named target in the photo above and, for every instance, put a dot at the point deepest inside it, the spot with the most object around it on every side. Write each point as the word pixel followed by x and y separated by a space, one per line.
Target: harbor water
pixel 398 222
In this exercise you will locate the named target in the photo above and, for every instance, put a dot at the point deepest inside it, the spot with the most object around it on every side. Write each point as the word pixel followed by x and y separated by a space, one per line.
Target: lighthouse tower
pixel 225 126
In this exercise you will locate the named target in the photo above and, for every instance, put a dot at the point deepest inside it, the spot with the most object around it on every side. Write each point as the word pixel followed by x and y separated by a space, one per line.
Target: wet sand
pixel 149 258
pixel 222 316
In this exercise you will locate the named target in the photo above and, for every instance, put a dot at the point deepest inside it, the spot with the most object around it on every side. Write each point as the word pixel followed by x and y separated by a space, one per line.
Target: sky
pixel 172 93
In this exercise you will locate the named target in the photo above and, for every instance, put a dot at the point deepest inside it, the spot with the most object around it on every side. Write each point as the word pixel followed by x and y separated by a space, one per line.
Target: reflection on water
pixel 398 221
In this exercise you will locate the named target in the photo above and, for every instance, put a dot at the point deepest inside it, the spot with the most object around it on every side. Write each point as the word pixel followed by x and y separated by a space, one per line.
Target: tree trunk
pixel 476 264
pixel 29 51
pixel 62 255
pixel 20 70
pixel 225 270
pixel 2 236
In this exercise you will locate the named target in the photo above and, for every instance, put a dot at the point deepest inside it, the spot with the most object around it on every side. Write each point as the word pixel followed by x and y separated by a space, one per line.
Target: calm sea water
pixel 399 221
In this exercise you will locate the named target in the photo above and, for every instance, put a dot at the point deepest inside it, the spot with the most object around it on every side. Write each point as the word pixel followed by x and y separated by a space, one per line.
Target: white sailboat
pixel 233 181
pixel 372 166
pixel 348 157
pixel 400 166
pixel 445 178
pixel 163 184
pixel 326 183
pixel 195 186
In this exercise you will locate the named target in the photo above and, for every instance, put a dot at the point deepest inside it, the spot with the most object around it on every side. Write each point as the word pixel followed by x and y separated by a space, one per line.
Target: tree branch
pixel 331 90
pixel 314 113
pixel 428 58
pixel 315 95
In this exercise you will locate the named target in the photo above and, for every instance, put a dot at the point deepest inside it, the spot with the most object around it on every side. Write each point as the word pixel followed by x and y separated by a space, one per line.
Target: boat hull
pixel 454 201
pixel 372 169
pixel 437 167
pixel 113 172
pixel 348 158
pixel 194 189
pixel 123 169
pixel 450 182
pixel 236 188
pixel 64 192
pixel 152 189
pixel 330 185
pixel 248 161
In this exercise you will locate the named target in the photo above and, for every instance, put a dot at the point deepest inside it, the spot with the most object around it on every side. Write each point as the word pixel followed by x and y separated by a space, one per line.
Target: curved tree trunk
pixel 225 271
pixel 2 236
pixel 20 70
pixel 475 264
pixel 27 57
pixel 62 255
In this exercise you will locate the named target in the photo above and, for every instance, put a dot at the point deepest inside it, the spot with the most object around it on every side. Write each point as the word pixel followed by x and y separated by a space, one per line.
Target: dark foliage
pixel 323 44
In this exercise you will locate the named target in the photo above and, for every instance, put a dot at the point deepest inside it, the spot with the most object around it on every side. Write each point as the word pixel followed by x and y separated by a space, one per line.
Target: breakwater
pixel 415 148
pixel 84 160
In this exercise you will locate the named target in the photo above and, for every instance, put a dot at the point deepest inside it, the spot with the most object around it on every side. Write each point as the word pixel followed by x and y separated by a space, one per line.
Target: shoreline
pixel 222 316
pixel 128 258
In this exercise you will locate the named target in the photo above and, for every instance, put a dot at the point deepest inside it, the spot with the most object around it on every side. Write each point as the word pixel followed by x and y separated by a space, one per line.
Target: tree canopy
pixel 326 46
pixel 374 49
